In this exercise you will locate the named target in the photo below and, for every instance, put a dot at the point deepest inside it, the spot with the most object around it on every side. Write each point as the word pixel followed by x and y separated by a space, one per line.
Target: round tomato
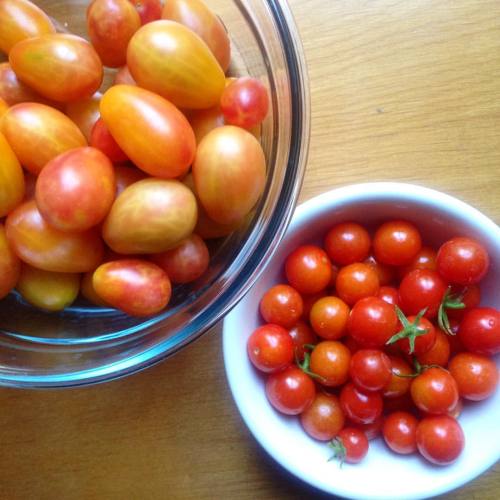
pixel 328 317
pixel 396 243
pixel 479 331
pixel 356 281
pixel 389 294
pixel 400 432
pixel 10 266
pixel 351 445
pixel 347 243
pixel 270 348
pixel 309 301
pixel 371 430
pixel 439 353
pixel 281 305
pixel 101 138
pixel 425 259
pixel 470 297
pixel 370 369
pixel 85 113
pixel 417 335
pixel 361 407
pixel 330 361
pixel 11 178
pixel 302 335
pixel 324 418
pixel 400 381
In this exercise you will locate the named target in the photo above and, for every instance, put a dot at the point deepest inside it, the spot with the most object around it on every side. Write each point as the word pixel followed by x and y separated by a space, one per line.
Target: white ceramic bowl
pixel 382 474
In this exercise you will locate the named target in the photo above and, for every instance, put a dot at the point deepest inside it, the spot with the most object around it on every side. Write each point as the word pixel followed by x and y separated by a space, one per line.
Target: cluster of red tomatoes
pixel 123 187
pixel 379 335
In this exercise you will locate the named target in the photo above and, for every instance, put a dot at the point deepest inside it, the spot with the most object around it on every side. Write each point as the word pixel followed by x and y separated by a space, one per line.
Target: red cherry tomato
pixel 370 369
pixel 425 259
pixel 400 432
pixel 290 391
pixel 148 10
pixel 389 294
pixel 281 305
pixel 423 343
pixel 470 297
pixel 308 269
pixel 270 348
pixel 355 282
pixel 396 243
pixel 351 445
pixel 398 386
pixel 309 301
pixel 440 439
pixel 347 243
pixel 302 335
pixel 479 331
pixel 330 360
pixel 439 353
pixel 360 406
pixel 386 274
pixel 462 261
pixel 328 317
pixel 101 138
pixel 371 430
pixel 324 418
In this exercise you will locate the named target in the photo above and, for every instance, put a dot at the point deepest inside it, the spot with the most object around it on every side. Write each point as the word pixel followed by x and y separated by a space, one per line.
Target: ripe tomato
pixel 479 331
pixel 44 247
pixel 37 134
pixel 21 19
pixel 85 113
pixel 328 317
pixel 370 369
pixel 396 243
pixel 148 10
pixel 398 385
pixel 290 391
pixel 88 291
pixel 421 336
pixel 123 77
pixel 3 107
pixel 476 375
pixel 110 25
pixel 152 132
pixel 308 269
pixel 462 261
pixel 46 289
pixel 440 439
pixel 10 266
pixel 11 178
pixel 330 360
pixel 421 289
pixel 425 259
pixel 172 61
pixel 386 274
pixel 372 322
pixel 347 242
pixel 400 432
pixel 439 353
pixel 302 335
pixel 136 287
pixel 199 18
pixel 76 189
pixel 60 67
pixel 399 403
pixel 324 418
pixel 101 138
pixel 309 301
pixel 371 430
pixel 389 294
pixel 351 445
pixel 281 305
pixel 13 91
pixel 359 406
pixel 204 121
pixel 434 391
pixel 470 297
pixel 355 282
pixel 125 176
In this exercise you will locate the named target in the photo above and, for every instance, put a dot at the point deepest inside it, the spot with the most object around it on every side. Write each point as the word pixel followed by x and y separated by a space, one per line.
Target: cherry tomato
pixel 396 243
pixel 169 208
pixel 360 406
pixel 44 247
pixel 172 61
pixel 351 344
pixel 37 134
pixel 110 25
pixel 308 269
pixel 281 305
pixel 328 317
pixel 85 113
pixel 148 10
pixel 13 91
pixel 351 445
pixel 76 189
pixel 11 178
pixel 88 291
pixel 398 386
pixel 186 262
pixel 434 391
pixel 330 360
pixel 347 243
pixel 439 353
pixel 371 430
pixel 21 19
pixel 324 418
pixel 355 282
pixel 476 375
pixel 470 297
pixel 101 138
pixel 199 18
pixel 125 176
pixel 229 160
pixel 440 439
pixel 425 259
pixel 423 343
pixel 309 301
pixel 123 77
pixel 60 67
pixel 462 261
pixel 386 274
pixel 48 290
pixel 389 294
pixel 372 322
pixel 421 289
pixel 400 432
pixel 479 331
pixel 370 369
pixel 302 335
pixel 152 132
pixel 10 266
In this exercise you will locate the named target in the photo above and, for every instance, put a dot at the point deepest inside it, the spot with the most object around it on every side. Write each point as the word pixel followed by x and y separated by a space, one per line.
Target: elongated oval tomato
pixel 60 67
pixel 136 287
pixel 111 24
pixel 152 132
pixel 38 133
pixel 76 189
pixel 10 265
pixel 85 113
pixel 150 216
pixel 21 19
pixel 148 10
pixel 199 18
pixel 11 178
pixel 229 173
pixel 171 60
pixel 46 289
pixel 44 247
pixel 13 91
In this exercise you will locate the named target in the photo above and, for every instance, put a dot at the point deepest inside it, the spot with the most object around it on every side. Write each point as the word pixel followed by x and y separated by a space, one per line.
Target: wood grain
pixel 401 90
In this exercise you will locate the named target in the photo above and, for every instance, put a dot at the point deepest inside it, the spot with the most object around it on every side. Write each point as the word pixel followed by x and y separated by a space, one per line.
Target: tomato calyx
pixel 450 301
pixel 419 369
pixel 305 364
pixel 410 330
pixel 339 450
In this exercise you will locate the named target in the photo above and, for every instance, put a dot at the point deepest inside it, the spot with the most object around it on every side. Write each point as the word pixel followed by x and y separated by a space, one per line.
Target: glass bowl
pixel 85 344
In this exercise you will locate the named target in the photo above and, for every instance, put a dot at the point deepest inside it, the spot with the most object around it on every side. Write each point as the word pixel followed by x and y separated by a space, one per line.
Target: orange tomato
pixel 11 178
pixel 3 107
pixel 204 121
pixel 38 133
pixel 10 265
pixel 60 67
pixel 148 10
pixel 19 20
pixel 111 24
pixel 47 248
pixel 152 132
pixel 88 291
pixel 169 59
pixel 85 113
pixel 12 91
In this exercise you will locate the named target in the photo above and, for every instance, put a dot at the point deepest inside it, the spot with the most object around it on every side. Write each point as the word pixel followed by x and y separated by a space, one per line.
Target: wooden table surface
pixel 403 90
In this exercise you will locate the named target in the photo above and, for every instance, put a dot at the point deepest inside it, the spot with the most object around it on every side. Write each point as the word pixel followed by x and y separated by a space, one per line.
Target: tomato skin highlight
pixel 479 331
